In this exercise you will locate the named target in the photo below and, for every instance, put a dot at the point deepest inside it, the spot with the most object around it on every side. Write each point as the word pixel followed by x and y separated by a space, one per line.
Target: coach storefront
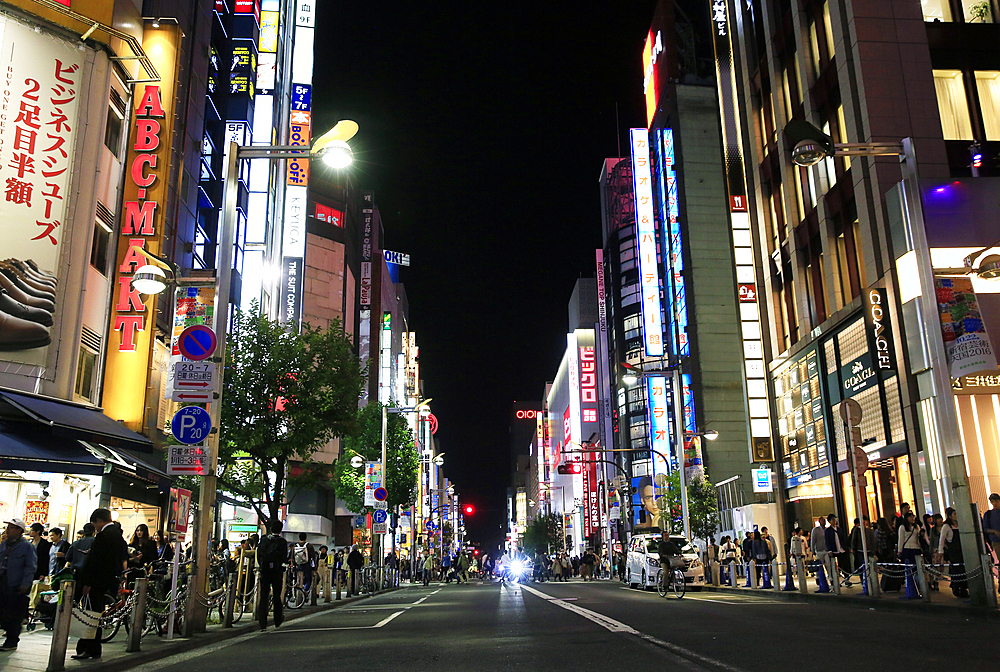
pixel 854 362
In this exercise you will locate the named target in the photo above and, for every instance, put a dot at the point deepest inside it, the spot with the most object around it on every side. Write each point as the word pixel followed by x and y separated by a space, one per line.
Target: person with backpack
pixel 355 561
pixel 272 553
pixel 304 559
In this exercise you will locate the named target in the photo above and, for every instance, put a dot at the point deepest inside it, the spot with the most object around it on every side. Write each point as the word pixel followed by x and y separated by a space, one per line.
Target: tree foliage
pixel 286 393
pixel 703 507
pixel 544 534
pixel 366 441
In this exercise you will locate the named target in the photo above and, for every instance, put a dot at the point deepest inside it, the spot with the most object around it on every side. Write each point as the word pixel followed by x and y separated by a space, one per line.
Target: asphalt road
pixel 600 626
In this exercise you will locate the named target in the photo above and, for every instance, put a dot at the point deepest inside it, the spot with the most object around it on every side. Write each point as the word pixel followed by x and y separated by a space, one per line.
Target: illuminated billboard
pixel 649 276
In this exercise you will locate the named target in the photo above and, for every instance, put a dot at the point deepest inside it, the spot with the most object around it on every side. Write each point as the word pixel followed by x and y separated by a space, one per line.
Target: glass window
pixel 988 85
pixel 842 131
pixel 113 131
pixel 814 47
pixel 85 374
pixel 936 10
pixel 99 248
pixel 828 26
pixel 953 105
pixel 977 11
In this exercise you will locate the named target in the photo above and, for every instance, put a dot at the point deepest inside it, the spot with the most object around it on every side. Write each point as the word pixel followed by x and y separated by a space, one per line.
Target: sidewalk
pixel 941 601
pixel 32 653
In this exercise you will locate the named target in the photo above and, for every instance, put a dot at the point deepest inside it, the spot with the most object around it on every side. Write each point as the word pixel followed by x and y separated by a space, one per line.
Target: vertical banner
pixel 38 124
pixel 965 339
pixel 373 480
pixel 659 424
pixel 602 355
pixel 645 229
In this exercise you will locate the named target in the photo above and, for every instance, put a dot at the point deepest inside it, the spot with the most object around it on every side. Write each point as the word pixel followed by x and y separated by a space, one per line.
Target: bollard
pixel 800 568
pixel 765 576
pixel 732 574
pixel 313 589
pixel 775 575
pixel 789 580
pixel 138 615
pixel 748 566
pixel 326 582
pixel 337 579
pixel 752 574
pixel 227 621
pixel 875 588
pixel 822 586
pixel 715 568
pixel 834 573
pixel 257 592
pixel 60 630
pixel 986 562
pixel 911 585
pixel 922 580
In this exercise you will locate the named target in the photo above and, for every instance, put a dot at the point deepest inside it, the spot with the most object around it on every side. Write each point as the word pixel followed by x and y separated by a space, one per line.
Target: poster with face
pixel 644 507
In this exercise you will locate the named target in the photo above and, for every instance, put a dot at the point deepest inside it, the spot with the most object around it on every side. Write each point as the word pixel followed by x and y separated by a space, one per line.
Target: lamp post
pixel 332 147
pixel 915 288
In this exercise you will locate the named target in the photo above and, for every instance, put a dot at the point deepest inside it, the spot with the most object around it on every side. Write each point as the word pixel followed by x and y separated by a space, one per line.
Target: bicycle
pixel 295 594
pixel 676 582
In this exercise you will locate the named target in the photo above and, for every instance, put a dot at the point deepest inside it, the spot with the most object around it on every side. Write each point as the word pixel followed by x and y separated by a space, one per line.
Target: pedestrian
pixel 304 559
pixel 908 541
pixel 817 541
pixel 567 564
pixel 164 549
pixel 18 558
pixel 272 554
pixel 428 568
pixel 730 552
pixel 446 567
pixel 951 548
pixel 462 568
pixel 57 551
pixel 575 564
pixel 904 509
pixel 991 525
pixel 99 575
pixel 771 543
pixel 761 554
pixel 76 556
pixel 796 547
pixel 355 561
pixel 835 548
pixel 37 535
pixel 746 548
pixel 587 565
pixel 323 566
pixel 884 541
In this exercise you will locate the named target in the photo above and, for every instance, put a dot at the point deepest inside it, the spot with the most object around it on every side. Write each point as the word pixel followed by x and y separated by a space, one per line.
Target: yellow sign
pixel 268 32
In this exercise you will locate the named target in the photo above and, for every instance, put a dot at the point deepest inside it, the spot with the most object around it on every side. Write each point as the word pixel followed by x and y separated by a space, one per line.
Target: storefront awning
pixel 131 464
pixel 70 420
pixel 46 454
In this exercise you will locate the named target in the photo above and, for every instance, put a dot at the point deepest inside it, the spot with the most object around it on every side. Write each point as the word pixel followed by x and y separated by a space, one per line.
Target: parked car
pixel 643 561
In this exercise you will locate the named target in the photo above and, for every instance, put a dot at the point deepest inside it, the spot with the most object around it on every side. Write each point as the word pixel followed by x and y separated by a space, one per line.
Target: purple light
pixel 940 189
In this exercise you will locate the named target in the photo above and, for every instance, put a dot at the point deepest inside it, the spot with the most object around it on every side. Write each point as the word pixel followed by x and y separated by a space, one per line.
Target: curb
pixel 199 640
pixel 893 603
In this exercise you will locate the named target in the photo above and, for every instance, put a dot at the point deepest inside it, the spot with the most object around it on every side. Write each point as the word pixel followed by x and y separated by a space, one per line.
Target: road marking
pixel 351 627
pixel 617 626
pixel 421 599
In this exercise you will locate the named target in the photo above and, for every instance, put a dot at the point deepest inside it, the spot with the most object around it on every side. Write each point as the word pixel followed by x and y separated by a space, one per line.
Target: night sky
pixel 483 131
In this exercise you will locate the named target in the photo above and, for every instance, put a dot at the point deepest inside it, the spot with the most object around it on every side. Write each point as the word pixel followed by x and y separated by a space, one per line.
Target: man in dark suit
pixel 99 575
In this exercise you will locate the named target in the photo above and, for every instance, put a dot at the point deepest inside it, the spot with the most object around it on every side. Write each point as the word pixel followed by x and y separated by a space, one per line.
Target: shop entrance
pixel 889 484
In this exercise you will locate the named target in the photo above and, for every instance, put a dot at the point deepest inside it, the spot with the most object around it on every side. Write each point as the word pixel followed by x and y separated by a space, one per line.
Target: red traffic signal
pixel 570 468
pixel 476 552
pixel 469 509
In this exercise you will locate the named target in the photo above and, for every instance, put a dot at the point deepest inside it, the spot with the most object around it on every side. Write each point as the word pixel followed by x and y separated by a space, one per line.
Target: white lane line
pixel 435 592
pixel 349 627
pixel 421 600
pixel 617 626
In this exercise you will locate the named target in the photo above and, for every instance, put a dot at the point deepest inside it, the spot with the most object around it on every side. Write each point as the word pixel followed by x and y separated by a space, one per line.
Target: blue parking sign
pixel 191 425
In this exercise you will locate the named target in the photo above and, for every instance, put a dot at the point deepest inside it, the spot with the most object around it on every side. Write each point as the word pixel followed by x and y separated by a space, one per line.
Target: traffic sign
pixel 191 424
pixel 188 460
pixel 381 494
pixel 381 505
pixel 860 460
pixel 380 528
pixel 197 342
pixel 380 516
pixel 196 375
pixel 850 412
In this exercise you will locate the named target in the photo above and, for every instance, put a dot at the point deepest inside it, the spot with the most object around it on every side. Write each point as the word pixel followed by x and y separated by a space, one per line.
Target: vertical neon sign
pixel 649 277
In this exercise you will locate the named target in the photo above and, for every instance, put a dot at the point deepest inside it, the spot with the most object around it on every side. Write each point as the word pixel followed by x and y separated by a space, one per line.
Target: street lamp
pixel 152 279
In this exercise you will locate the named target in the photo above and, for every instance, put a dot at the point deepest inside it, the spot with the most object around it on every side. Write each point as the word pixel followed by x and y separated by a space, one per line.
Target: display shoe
pixel 30 273
pixel 12 306
pixel 26 286
pixel 32 284
pixel 38 269
pixel 18 334
pixel 23 297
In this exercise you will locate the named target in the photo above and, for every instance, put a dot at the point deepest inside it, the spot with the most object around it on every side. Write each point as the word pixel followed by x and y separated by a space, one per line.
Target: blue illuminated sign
pixel 301 97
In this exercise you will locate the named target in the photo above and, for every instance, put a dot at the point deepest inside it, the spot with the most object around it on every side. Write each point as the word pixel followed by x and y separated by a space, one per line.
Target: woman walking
pixel 951 548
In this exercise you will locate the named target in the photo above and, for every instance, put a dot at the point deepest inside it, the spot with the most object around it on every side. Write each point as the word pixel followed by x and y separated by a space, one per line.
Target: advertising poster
pixel 42 78
pixel 36 511
pixel 965 339
pixel 644 507
pixel 192 306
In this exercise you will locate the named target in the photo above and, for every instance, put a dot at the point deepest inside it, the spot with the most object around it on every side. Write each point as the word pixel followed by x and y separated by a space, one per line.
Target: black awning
pixel 70 420
pixel 130 464
pixel 46 454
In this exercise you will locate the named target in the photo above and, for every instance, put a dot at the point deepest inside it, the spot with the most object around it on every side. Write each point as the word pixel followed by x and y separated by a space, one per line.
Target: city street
pixel 599 625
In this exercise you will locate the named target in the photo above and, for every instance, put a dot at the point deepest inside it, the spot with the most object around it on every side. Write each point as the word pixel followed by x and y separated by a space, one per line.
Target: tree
pixel 544 534
pixel 286 393
pixel 366 441
pixel 703 508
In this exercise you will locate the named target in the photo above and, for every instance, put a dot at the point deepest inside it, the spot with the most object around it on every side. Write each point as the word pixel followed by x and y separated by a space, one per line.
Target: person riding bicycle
pixel 670 557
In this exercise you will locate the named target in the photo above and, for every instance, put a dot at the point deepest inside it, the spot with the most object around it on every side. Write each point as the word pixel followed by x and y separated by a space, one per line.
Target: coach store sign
pixel 858 375
pixel 879 330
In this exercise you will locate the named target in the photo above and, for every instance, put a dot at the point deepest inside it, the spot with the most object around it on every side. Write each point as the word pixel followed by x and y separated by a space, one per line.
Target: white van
pixel 643 561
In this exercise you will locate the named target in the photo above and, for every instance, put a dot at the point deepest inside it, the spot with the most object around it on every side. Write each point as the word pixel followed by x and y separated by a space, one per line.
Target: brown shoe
pixel 38 269
pixel 28 285
pixel 18 334
pixel 28 299
pixel 15 308
pixel 30 273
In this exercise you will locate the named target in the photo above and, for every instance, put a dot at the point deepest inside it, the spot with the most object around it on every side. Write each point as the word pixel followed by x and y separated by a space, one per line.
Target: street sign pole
pixel 851 413
pixel 206 501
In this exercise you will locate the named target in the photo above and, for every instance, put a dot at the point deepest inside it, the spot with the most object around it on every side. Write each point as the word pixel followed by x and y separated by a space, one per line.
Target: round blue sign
pixel 191 425
pixel 197 342
pixel 381 494
pixel 379 516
